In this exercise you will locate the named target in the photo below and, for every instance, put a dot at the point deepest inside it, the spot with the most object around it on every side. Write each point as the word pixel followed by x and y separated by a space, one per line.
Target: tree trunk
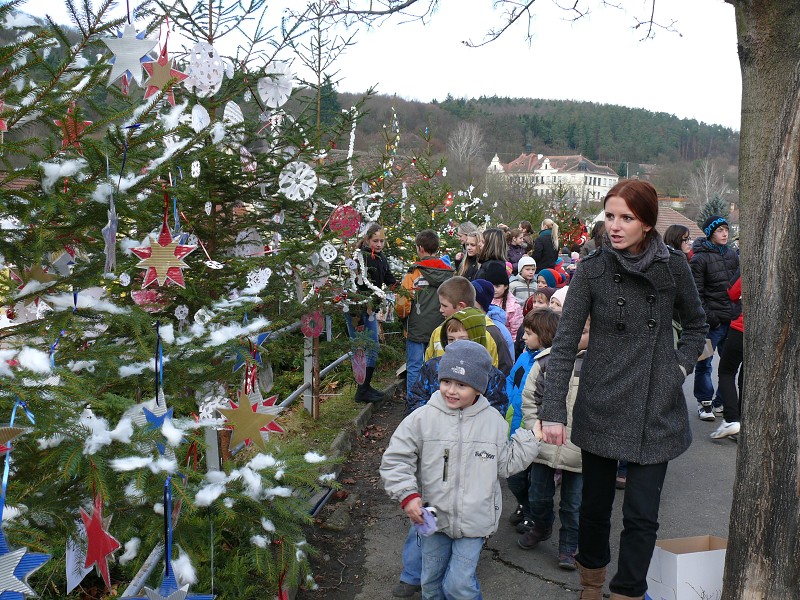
pixel 764 543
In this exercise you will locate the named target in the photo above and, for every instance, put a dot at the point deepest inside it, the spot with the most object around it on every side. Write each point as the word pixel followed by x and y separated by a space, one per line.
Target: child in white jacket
pixel 449 455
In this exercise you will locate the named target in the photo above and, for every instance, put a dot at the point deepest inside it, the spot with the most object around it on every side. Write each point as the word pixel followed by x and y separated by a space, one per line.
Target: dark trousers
pixel 729 363
pixel 639 520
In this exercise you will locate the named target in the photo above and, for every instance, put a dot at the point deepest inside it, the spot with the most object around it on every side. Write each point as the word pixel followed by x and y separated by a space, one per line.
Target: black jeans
pixel 639 520
pixel 729 363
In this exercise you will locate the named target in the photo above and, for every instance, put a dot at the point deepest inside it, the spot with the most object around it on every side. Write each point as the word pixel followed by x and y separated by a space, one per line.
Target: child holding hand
pixel 451 453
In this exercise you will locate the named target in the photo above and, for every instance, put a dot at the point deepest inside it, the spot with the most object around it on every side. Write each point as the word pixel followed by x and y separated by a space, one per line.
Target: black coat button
pixel 620 326
pixel 651 323
pixel 617 277
pixel 620 301
pixel 651 299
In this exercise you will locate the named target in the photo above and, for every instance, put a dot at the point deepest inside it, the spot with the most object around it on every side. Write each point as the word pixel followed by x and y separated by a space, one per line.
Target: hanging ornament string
pixel 176 215
pixel 168 525
pixel 54 345
pixel 199 241
pixel 159 363
pixel 18 404
pixel 130 128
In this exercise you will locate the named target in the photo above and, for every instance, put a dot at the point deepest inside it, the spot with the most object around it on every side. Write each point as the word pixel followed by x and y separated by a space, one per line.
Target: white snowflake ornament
pixel 208 208
pixel 196 168
pixel 125 279
pixel 259 278
pixel 328 253
pixel 297 181
pixel 200 118
pixel 205 70
pixel 276 87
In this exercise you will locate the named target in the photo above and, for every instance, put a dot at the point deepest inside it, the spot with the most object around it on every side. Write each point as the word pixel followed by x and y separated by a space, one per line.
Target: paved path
pixel 696 501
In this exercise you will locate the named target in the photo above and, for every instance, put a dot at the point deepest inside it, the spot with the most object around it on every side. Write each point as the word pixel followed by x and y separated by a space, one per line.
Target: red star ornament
pixel 164 260
pixel 99 543
pixel 72 129
pixel 162 76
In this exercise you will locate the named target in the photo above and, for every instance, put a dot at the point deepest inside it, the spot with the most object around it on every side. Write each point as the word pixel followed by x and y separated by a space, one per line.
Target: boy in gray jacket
pixel 449 455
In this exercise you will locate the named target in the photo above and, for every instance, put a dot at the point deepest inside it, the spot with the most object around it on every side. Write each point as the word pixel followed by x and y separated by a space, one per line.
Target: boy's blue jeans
pixel 412 559
pixel 415 358
pixel 370 324
pixel 448 568
pixel 703 387
pixel 540 499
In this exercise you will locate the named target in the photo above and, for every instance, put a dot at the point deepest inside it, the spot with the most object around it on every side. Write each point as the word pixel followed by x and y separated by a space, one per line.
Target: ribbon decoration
pixel 18 404
pixel 159 362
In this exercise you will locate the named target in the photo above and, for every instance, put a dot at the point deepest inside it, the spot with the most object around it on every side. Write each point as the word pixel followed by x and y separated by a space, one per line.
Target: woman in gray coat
pixel 630 404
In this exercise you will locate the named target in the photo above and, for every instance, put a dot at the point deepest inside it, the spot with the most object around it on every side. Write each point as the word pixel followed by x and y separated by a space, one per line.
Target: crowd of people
pixel 558 370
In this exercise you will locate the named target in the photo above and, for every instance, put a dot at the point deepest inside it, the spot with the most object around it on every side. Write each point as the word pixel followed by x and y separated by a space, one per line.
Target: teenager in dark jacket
pixel 714 266
pixel 373 274
pixel 545 247
pixel 630 403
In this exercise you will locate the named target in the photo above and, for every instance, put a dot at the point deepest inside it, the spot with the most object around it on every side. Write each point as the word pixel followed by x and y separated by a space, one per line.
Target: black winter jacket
pixel 714 270
pixel 543 252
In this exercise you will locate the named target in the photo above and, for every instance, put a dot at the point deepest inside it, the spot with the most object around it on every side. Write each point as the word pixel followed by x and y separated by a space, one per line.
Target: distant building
pixel 568 178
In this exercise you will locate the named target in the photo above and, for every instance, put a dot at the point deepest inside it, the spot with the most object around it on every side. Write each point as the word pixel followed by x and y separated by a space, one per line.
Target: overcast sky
pixel 600 58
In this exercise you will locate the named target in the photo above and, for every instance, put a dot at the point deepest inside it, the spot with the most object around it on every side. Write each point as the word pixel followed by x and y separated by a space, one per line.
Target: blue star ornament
pixel 15 567
pixel 156 422
pixel 129 49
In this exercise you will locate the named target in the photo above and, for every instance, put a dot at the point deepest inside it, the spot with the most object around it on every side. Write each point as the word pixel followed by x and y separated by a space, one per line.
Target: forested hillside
pixel 510 126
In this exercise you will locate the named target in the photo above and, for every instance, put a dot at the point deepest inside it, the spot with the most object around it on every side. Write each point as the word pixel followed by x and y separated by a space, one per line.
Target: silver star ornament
pixel 128 51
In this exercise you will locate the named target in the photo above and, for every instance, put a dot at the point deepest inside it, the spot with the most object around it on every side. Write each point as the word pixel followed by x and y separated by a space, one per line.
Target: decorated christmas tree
pixel 164 216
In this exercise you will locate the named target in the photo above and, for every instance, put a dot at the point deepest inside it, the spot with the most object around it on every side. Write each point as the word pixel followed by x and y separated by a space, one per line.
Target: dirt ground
pixel 338 532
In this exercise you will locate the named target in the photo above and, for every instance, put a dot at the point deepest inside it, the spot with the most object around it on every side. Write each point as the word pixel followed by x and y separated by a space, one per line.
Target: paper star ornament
pixel 162 76
pixel 164 259
pixel 247 423
pixel 7 434
pixel 72 129
pixel 15 567
pixel 99 542
pixel 129 50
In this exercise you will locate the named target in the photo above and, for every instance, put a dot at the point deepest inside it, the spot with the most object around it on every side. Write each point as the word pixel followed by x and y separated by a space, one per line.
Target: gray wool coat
pixel 630 404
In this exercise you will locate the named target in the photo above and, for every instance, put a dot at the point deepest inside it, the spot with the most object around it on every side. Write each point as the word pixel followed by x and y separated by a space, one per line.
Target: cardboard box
pixel 689 568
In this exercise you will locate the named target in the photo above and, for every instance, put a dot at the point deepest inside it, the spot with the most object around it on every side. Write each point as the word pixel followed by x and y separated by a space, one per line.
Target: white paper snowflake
pixel 259 278
pixel 200 118
pixel 196 168
pixel 328 253
pixel 298 181
pixel 205 70
pixel 125 279
pixel 181 312
pixel 276 87
pixel 208 208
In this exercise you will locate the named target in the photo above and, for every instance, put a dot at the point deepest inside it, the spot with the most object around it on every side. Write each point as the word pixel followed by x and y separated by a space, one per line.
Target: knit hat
pixel 560 295
pixel 473 320
pixel 484 293
pixel 467 362
pixel 525 261
pixel 553 278
pixel 575 257
pixel 547 291
pixel 495 273
pixel 712 223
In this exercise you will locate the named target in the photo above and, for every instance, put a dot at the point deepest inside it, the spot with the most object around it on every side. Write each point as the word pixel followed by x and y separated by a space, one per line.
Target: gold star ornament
pixel 164 258
pixel 246 423
pixel 162 76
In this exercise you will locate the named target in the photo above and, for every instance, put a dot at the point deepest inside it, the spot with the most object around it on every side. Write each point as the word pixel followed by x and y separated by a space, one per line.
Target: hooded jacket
pixel 714 270
pixel 630 403
pixel 567 456
pixel 420 306
pixel 453 458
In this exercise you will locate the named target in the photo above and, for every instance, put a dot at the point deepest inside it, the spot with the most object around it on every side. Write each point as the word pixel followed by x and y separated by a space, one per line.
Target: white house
pixel 573 178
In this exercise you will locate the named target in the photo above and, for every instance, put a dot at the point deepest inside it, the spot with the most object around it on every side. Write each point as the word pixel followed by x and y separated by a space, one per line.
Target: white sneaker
pixel 717 409
pixel 704 412
pixel 725 430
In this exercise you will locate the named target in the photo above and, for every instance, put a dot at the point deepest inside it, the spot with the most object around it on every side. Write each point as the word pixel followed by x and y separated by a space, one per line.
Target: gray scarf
pixel 655 251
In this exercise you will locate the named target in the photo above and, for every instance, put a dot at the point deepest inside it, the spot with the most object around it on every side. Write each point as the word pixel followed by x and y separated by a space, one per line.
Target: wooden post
pixel 315 378
pixel 308 375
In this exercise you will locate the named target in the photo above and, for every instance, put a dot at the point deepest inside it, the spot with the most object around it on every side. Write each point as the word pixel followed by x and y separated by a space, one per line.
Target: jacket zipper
pixel 456 500
pixel 446 460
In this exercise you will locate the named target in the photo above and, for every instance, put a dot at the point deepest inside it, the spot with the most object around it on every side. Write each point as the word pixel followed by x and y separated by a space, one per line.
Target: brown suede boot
pixel 592 581
pixel 615 596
